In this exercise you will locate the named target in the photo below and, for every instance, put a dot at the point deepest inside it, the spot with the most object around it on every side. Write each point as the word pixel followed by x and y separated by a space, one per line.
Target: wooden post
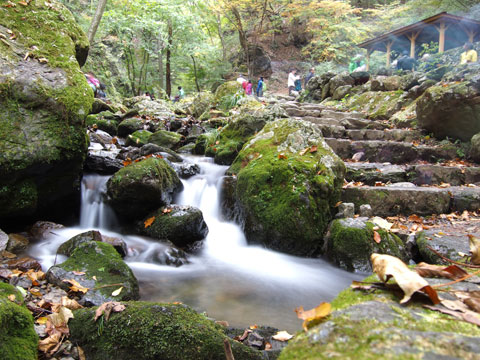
pixel 441 38
pixel 413 37
pixel 389 50
pixel 369 52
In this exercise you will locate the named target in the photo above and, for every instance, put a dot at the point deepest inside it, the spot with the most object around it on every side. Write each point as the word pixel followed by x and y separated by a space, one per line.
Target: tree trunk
pixel 168 74
pixel 160 64
pixel 222 39
pixel 242 37
pixel 92 30
pixel 195 72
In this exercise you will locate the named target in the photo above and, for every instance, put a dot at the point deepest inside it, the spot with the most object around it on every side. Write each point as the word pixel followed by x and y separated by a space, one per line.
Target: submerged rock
pixel 182 225
pixel 289 179
pixel 147 331
pixel 18 338
pixel 141 187
pixel 98 267
pixel 49 81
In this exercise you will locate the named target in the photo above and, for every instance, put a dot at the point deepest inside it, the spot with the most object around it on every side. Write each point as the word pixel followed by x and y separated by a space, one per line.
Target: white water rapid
pixel 229 279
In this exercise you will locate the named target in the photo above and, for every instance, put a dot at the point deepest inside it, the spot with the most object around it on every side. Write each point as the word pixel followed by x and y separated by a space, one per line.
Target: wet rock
pixel 104 165
pixel 141 187
pixel 69 246
pixel 17 243
pixel 3 241
pixel 167 139
pixel 142 329
pixel 186 170
pixel 350 242
pixel 23 282
pixel 100 137
pixel 345 210
pixel 99 105
pixel 54 295
pixel 23 264
pixel 129 126
pixel 474 153
pixel 282 202
pixel 365 210
pixel 119 244
pixel 41 230
pixel 180 224
pixel 104 272
pixel 169 154
pixel 449 245
pixel 138 138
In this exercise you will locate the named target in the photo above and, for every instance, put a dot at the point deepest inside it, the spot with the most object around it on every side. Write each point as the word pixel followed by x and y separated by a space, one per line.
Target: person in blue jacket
pixel 259 90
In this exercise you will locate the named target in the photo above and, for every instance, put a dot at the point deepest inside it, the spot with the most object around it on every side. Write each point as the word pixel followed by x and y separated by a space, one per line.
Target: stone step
pixel 423 174
pixel 394 152
pixel 300 112
pixel 341 115
pixel 407 199
pixel 388 134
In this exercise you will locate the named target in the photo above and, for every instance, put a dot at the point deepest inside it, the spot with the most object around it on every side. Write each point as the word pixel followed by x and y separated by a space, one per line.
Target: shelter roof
pixel 458 32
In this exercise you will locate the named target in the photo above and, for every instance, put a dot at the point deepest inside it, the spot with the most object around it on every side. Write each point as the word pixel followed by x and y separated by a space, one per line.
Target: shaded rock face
pixel 144 186
pixel 18 338
pixel 182 225
pixel 289 179
pixel 260 62
pixel 102 266
pixel 154 331
pixel 452 110
pixel 349 244
pixel 43 103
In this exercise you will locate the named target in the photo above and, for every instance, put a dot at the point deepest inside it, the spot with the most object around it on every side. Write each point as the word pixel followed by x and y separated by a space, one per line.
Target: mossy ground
pixel 153 331
pixel 18 339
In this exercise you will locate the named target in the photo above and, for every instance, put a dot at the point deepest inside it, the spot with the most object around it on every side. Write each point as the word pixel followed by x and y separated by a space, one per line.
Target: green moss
pixel 165 138
pixel 18 340
pixel 18 198
pixel 139 138
pixel 105 263
pixel 153 331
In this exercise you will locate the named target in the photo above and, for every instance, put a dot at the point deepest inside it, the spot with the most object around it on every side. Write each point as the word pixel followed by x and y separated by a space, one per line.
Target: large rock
pixel 147 331
pixel 340 80
pixel 226 93
pixel 141 187
pixel 377 104
pixel 98 267
pixel 18 340
pixel 182 225
pixel 201 103
pixel 69 246
pixel 44 99
pixel 289 179
pixel 166 139
pixel 350 242
pixel 452 110
pixel 474 153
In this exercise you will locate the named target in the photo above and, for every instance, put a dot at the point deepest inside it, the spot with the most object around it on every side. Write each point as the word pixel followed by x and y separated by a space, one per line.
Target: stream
pixel 228 279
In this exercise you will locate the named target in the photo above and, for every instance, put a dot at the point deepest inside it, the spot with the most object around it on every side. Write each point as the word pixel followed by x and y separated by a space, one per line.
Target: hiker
pixel 151 96
pixel 405 62
pixel 248 88
pixel 92 82
pixel 310 75
pixel 101 94
pixel 241 79
pixel 259 90
pixel 469 55
pixel 298 85
pixel 357 64
pixel 292 77
pixel 180 95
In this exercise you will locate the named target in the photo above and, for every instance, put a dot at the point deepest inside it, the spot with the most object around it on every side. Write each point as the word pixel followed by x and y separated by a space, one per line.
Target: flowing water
pixel 228 279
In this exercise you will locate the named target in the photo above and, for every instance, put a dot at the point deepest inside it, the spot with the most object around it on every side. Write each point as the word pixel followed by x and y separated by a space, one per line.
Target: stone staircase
pixel 395 171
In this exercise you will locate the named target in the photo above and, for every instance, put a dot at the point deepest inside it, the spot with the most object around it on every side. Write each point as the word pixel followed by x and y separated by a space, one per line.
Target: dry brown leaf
pixel 81 353
pixel 313 316
pixel 313 149
pixel 377 237
pixel 11 297
pixel 474 249
pixel 452 272
pixel 304 151
pixel 35 292
pixel 76 287
pixel 386 266
pixel 282 336
pixel 470 316
pixel 49 343
pixel 70 303
pixel 107 308
pixel 79 273
pixel 473 303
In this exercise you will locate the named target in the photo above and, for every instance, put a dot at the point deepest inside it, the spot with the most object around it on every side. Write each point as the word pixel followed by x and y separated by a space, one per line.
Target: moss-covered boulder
pixel 138 138
pixel 70 245
pixel 141 187
pixel 18 339
pixel 377 105
pixel 105 121
pixel 149 331
pixel 44 99
pixel 227 94
pixel 182 225
pixel 98 267
pixel 350 242
pixel 374 325
pixel 289 179
pixel 167 139
pixel 129 126
pixel 451 110
pixel 200 103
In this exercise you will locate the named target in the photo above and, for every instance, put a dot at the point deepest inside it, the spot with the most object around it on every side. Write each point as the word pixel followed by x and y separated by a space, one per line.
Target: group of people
pixel 295 83
pixel 95 84
pixel 247 86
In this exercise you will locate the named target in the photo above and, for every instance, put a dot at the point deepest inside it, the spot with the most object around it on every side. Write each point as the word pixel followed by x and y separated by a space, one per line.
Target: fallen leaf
pixel 107 308
pixel 377 237
pixel 41 320
pixel 49 343
pixel 384 224
pixel 474 249
pixel 268 346
pixel 473 303
pixel 470 317
pixel 78 273
pixel 282 156
pixel 313 316
pixel 76 287
pixel 452 272
pixel 118 291
pixel 282 336
pixel 313 149
pixel 304 151
pixel 386 266
pixel 127 162
pixel 222 323
pixel 149 221
pixel 70 303
pixel 23 3
pixel 81 353
pixel 11 297
pixel 254 326
pixel 36 292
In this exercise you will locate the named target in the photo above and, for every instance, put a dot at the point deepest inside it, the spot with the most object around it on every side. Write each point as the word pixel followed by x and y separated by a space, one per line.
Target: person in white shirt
pixel 241 79
pixel 292 77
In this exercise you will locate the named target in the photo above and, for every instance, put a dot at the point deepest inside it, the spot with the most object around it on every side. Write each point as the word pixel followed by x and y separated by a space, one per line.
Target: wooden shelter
pixel 450 31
